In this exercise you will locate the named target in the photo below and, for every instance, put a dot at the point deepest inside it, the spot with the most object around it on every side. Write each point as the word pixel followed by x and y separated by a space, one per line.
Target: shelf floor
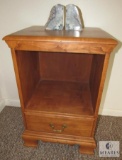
pixel 62 97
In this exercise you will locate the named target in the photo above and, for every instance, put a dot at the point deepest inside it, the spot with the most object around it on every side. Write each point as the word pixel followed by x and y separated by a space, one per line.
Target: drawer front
pixel 62 125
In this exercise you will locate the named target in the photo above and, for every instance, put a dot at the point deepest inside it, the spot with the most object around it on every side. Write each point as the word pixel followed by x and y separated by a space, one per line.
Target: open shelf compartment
pixel 60 82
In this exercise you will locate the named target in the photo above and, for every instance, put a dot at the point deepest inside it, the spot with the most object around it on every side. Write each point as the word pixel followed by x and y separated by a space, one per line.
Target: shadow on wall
pixel 81 17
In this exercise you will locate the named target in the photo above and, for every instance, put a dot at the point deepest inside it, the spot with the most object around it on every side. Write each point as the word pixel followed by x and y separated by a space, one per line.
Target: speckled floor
pixel 11 145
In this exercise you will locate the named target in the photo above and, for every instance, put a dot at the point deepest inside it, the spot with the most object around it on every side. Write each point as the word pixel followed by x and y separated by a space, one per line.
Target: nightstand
pixel 60 77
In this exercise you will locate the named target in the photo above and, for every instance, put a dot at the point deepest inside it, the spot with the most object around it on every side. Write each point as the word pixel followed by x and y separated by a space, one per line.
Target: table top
pixel 38 33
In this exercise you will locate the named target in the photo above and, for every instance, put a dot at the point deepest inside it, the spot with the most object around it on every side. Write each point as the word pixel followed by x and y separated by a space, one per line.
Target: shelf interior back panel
pixel 65 66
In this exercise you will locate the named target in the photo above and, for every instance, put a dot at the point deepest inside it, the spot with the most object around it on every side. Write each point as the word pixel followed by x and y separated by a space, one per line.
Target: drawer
pixel 59 124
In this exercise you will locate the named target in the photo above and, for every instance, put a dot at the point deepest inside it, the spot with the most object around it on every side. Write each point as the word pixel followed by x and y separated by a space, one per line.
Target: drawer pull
pixel 57 130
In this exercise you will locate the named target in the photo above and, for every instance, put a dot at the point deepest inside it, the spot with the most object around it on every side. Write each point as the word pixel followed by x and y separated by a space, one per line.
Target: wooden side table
pixel 60 77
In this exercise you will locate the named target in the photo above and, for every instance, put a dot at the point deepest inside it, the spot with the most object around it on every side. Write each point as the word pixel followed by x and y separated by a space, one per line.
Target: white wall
pixel 16 15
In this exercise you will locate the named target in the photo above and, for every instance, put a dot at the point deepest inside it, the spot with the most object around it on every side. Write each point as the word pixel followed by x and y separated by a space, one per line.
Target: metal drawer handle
pixel 58 130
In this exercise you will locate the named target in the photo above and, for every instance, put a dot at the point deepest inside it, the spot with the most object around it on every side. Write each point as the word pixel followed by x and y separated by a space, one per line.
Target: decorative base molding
pixel 87 144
